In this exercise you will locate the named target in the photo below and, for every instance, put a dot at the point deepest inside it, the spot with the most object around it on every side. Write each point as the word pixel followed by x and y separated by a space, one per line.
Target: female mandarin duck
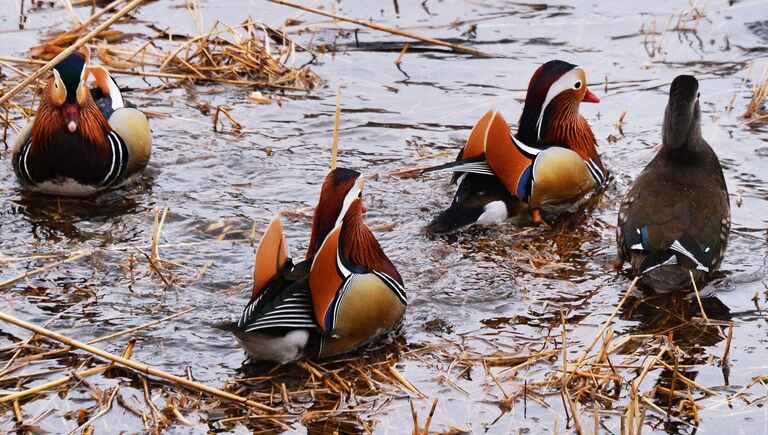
pixel 345 293
pixel 548 167
pixel 77 145
pixel 675 219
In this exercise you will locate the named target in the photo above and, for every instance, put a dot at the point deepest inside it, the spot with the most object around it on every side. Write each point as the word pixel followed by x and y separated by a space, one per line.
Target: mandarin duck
pixel 345 292
pixel 82 141
pixel 550 166
pixel 675 219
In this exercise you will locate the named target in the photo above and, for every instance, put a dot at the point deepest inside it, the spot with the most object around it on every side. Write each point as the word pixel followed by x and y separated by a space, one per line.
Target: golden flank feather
pixel 369 308
pixel 560 176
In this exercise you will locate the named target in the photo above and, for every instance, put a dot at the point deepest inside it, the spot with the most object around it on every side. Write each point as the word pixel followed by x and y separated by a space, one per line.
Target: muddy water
pixel 490 288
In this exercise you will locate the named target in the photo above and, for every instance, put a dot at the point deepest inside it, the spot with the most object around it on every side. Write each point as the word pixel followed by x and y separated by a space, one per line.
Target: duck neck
pixel 682 134
pixel 526 126
pixel 49 126
pixel 562 124
pixel 323 221
pixel 361 247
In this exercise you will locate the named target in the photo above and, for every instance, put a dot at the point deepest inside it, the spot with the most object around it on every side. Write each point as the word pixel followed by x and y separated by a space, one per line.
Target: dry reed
pixel 754 112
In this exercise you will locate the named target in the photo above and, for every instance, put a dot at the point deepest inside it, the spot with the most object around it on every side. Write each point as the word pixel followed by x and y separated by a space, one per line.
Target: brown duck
pixel 675 219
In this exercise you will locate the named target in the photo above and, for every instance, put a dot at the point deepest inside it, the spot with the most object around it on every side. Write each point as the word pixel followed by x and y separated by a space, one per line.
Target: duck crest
pixel 71 70
pixel 551 113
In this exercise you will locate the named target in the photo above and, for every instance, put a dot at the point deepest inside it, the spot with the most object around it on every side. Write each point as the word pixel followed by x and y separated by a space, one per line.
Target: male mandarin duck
pixel 675 218
pixel 81 141
pixel 550 166
pixel 345 293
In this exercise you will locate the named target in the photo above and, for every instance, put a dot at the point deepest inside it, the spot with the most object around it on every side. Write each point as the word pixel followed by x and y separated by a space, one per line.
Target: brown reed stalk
pixel 336 126
pixel 455 47
pixel 71 49
pixel 139 367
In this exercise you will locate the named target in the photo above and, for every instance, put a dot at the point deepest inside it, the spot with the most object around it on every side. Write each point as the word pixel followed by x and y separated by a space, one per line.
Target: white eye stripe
pixel 352 195
pixel 57 79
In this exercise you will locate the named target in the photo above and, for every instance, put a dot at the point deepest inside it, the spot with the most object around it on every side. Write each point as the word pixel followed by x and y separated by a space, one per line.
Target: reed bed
pixel 250 54
pixel 614 381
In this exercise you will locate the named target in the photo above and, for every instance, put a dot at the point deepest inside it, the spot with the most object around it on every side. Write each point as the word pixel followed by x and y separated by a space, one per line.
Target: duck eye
pixel 577 85
pixel 698 94
pixel 360 195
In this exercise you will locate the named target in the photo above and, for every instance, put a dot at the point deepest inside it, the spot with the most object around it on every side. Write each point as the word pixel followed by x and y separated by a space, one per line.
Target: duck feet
pixel 536 216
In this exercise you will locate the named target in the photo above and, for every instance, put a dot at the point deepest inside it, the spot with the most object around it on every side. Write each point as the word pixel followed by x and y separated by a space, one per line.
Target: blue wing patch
pixel 524 184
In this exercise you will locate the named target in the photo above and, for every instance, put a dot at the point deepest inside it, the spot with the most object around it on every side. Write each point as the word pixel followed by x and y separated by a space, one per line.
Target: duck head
pixel 554 94
pixel 682 118
pixel 69 90
pixel 340 196
pixel 67 105
pixel 341 203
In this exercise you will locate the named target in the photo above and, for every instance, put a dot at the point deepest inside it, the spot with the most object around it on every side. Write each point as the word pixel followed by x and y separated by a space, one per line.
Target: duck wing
pixel 107 94
pixel 479 199
pixel 281 305
pixel 492 150
pixel 280 296
pixel 674 215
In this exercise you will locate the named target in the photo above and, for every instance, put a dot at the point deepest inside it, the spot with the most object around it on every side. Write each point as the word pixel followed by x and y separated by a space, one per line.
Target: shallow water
pixel 487 288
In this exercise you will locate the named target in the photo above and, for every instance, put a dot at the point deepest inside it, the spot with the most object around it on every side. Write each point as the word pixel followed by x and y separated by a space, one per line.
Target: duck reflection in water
pixel 689 337
pixel 61 218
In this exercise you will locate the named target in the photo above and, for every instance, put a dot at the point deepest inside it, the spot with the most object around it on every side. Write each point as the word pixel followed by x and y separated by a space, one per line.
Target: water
pixel 486 289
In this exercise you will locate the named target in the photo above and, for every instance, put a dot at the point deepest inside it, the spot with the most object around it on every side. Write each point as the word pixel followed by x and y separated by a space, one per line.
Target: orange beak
pixel 589 97
pixel 71 116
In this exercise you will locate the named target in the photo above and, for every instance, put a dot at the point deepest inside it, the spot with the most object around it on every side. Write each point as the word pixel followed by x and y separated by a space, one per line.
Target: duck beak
pixel 589 97
pixel 71 114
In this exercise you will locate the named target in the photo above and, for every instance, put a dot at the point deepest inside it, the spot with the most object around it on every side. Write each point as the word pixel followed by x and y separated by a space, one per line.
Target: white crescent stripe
pixel 26 167
pixel 525 148
pixel 340 300
pixel 114 155
pixel 394 285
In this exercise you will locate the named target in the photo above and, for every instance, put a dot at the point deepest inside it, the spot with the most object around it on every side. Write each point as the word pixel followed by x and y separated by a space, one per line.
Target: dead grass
pixel 686 21
pixel 635 379
pixel 249 54
pixel 244 54
pixel 755 108
pixel 623 381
